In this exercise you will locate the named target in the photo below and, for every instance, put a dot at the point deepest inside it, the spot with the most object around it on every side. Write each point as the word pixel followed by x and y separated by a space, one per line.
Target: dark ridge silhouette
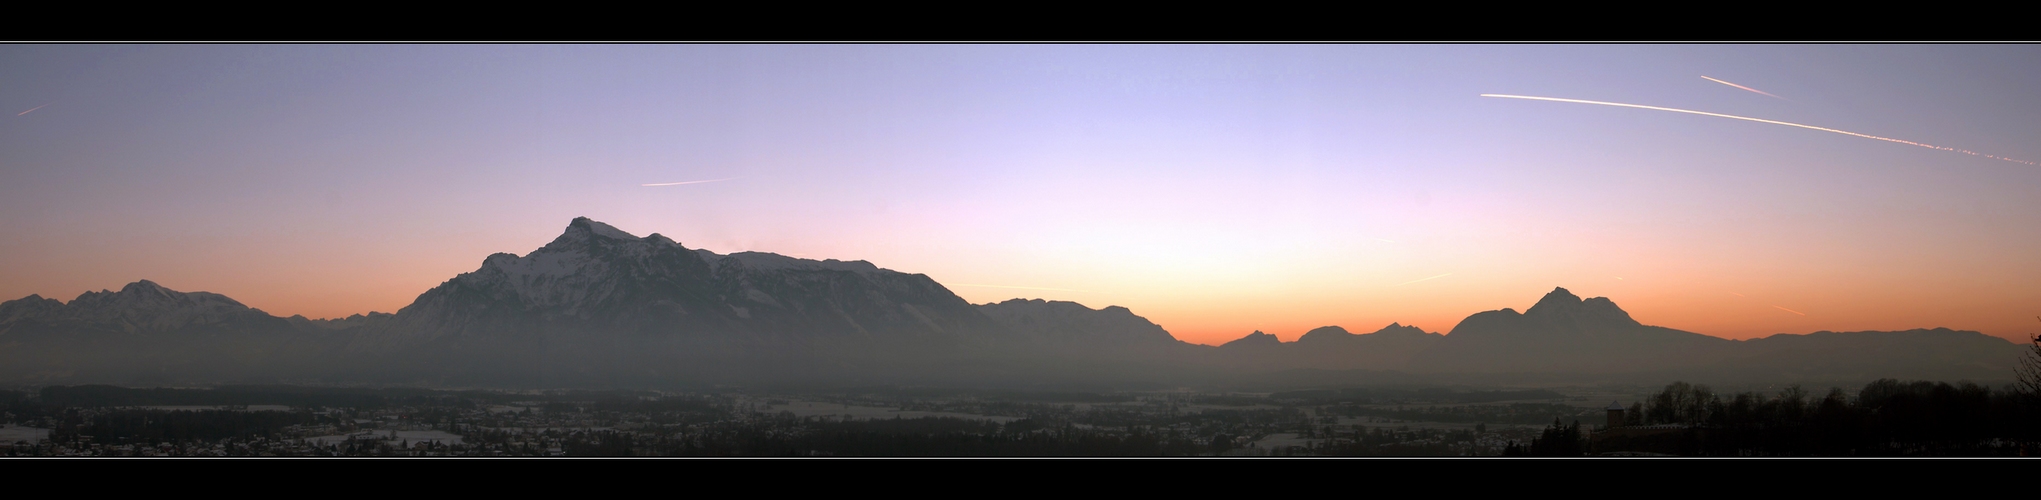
pixel 1071 324
pixel 600 307
pixel 1253 340
pixel 1564 332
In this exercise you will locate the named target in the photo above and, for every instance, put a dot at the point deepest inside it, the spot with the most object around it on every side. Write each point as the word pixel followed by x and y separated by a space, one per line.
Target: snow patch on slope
pixel 609 231
pixel 763 261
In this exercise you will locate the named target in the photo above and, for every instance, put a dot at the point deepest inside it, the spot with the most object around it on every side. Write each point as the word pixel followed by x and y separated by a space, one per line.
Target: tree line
pixel 1886 417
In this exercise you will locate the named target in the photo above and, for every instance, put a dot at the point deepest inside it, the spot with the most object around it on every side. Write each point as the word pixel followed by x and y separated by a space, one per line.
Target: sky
pixel 1213 189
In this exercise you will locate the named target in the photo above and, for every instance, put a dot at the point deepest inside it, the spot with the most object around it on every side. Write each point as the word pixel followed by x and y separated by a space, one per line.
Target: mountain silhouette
pixel 1563 332
pixel 1053 322
pixel 595 278
pixel 1334 348
pixel 599 303
pixel 598 306
pixel 1256 340
pixel 142 332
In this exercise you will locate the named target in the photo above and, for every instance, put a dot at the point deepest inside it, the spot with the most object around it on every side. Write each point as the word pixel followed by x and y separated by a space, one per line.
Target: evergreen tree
pixel 1559 440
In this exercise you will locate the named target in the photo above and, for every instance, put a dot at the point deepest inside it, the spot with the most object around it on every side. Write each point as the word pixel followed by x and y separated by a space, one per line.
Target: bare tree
pixel 2027 377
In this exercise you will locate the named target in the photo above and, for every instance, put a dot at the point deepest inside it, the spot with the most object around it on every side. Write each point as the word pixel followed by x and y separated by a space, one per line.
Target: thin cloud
pixel 1761 120
pixel 657 184
pixel 1417 280
pixel 1746 88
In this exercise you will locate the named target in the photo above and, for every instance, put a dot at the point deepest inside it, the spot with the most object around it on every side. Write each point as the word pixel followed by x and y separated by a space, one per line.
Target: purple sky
pixel 1213 189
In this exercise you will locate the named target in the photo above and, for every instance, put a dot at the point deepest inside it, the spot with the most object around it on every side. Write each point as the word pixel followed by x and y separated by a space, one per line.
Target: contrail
pixel 1379 239
pixel 688 182
pixel 32 110
pixel 1746 88
pixel 1791 311
pixel 1761 120
pixel 1023 287
pixel 1414 281
pixel 1736 294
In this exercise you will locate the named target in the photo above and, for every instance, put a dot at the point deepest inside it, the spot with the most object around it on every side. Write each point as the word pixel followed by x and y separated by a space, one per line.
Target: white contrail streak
pixel 1791 311
pixel 32 110
pixel 1761 120
pixel 680 183
pixel 1023 287
pixel 1417 280
pixel 1745 88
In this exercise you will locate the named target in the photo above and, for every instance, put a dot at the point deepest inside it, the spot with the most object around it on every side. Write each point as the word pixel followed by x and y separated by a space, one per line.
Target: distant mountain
pixel 1562 332
pixel 598 306
pixel 596 278
pixel 1256 340
pixel 1390 347
pixel 142 332
pixel 1593 339
pixel 1071 324
pixel 1931 354
pixel 1332 348
pixel 372 319
pixel 1566 339
pixel 598 303
pixel 139 307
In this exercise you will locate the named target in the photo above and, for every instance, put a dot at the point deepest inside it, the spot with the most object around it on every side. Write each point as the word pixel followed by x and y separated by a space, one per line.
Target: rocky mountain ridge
pixel 139 307
pixel 600 306
pixel 597 279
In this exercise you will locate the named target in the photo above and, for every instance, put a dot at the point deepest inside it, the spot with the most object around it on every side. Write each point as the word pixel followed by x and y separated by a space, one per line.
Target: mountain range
pixel 598 306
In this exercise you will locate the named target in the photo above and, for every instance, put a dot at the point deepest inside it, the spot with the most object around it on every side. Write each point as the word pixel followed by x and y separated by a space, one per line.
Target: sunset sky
pixel 1213 189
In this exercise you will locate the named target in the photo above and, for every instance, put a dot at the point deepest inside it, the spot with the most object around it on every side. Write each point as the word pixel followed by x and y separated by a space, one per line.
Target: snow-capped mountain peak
pixel 600 229
pixel 596 278
pixel 137 307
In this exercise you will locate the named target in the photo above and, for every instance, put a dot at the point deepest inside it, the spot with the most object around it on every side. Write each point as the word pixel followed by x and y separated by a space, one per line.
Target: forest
pixel 1884 418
